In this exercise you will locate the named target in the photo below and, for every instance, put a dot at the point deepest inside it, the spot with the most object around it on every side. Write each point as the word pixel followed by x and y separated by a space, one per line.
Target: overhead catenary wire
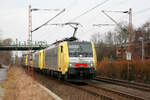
pixel 89 10
pixel 74 25
pixel 48 21
pixel 47 36
pixel 69 5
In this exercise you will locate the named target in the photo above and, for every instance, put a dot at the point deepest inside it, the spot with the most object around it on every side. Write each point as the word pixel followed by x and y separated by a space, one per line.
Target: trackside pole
pixel 30 67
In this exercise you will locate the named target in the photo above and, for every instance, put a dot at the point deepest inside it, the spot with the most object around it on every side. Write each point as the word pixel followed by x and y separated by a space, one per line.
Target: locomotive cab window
pixel 61 49
pixel 77 49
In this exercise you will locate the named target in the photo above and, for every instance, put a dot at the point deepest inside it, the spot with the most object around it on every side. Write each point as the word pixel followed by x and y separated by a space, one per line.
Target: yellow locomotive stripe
pixel 94 55
pixel 26 60
pixel 41 59
pixel 63 57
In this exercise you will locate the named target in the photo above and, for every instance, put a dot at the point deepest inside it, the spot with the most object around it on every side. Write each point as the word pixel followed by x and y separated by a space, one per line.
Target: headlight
pixel 70 65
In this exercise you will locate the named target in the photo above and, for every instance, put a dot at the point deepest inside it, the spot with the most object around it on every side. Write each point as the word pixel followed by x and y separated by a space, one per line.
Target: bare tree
pixel 109 38
pixel 121 33
pixel 6 55
pixel 104 49
pixel 96 38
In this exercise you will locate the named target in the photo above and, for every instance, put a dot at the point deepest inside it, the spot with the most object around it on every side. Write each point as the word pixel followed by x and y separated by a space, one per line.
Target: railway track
pixel 102 92
pixel 106 93
pixel 91 91
pixel 44 80
pixel 133 85
pixel 126 96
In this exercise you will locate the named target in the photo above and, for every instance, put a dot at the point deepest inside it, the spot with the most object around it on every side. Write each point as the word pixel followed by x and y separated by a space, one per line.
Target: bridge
pixel 22 46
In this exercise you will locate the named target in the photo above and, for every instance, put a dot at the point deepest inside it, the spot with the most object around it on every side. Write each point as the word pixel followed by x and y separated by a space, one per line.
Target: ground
pixel 21 86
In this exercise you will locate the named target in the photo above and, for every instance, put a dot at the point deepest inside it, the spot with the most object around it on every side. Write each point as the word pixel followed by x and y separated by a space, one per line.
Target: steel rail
pixel 123 94
pixel 133 85
pixel 82 88
pixel 102 96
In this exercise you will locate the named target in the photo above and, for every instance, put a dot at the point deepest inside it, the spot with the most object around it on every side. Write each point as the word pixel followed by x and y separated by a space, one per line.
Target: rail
pixel 134 85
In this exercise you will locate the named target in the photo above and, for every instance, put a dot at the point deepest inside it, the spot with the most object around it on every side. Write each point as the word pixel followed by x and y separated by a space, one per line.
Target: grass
pixel 20 86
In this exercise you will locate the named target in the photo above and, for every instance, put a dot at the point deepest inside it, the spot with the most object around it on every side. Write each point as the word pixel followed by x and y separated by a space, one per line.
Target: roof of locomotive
pixel 80 41
pixel 56 45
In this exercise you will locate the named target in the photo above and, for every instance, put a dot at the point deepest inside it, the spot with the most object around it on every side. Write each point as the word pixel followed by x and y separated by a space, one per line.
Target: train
pixel 69 60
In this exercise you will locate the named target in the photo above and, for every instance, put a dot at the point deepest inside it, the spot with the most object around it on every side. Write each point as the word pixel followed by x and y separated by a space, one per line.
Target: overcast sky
pixel 14 17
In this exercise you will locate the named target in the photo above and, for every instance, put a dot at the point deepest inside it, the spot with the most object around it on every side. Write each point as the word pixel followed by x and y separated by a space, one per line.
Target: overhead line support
pixel 30 42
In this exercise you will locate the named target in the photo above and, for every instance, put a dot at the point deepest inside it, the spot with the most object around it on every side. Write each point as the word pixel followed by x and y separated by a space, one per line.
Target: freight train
pixel 69 60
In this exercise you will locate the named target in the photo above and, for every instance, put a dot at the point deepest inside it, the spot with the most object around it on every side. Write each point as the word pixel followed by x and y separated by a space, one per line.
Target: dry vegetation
pixel 5 56
pixel 138 70
pixel 20 86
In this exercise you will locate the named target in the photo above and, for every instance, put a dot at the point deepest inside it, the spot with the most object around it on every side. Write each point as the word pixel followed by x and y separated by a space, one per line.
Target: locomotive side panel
pixel 51 56
pixel 35 60
pixel 23 60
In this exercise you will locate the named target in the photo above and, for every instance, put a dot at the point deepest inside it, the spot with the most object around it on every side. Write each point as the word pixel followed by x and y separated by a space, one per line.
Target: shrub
pixel 135 70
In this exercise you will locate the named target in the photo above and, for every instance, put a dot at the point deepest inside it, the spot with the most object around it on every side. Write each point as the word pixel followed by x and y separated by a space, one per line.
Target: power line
pixel 48 21
pixel 70 5
pixel 104 25
pixel 89 10
pixel 46 36
pixel 74 25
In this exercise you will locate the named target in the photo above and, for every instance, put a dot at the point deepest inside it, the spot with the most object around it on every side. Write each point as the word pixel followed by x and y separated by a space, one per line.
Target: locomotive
pixel 67 59
pixel 72 60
